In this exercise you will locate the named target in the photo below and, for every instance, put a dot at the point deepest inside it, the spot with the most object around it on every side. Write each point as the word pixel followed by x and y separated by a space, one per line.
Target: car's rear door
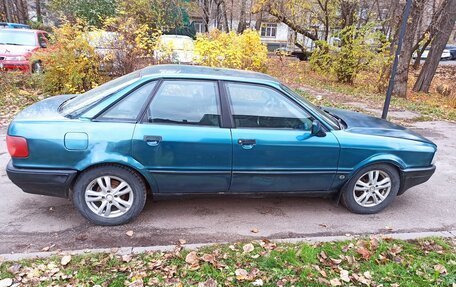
pixel 273 148
pixel 181 141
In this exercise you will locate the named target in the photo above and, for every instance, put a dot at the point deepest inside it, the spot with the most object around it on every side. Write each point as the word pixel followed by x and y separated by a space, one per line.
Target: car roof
pixel 182 71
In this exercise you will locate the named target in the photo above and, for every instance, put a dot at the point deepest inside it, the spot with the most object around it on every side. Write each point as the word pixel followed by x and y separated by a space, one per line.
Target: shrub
pixel 70 63
pixel 133 45
pixel 361 50
pixel 230 50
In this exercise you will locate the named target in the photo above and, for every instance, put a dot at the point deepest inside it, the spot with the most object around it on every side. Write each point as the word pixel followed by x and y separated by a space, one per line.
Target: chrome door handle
pixel 153 140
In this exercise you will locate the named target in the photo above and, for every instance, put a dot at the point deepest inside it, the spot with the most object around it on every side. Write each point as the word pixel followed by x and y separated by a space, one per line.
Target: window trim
pixel 282 93
pixel 100 116
pixel 144 116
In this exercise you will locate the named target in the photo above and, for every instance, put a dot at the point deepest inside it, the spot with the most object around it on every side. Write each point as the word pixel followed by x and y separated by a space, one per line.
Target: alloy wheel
pixel 372 188
pixel 109 196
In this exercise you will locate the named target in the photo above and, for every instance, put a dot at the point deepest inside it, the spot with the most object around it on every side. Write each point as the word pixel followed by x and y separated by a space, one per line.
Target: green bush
pixel 362 50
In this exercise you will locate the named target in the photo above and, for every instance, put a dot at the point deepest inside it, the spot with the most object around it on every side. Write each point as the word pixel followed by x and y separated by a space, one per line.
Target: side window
pixel 130 106
pixel 42 40
pixel 186 102
pixel 256 106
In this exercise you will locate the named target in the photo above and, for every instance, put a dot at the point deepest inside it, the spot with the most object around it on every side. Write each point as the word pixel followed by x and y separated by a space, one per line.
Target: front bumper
pixel 23 66
pixel 52 182
pixel 414 176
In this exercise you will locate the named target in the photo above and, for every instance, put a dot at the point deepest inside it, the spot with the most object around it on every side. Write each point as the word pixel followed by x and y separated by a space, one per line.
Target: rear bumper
pixel 414 176
pixel 52 182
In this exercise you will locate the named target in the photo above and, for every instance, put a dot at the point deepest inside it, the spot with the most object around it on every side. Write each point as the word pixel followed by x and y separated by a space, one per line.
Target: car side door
pixel 181 141
pixel 273 147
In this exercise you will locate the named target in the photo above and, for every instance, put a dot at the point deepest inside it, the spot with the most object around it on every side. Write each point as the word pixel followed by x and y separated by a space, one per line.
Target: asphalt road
pixel 32 222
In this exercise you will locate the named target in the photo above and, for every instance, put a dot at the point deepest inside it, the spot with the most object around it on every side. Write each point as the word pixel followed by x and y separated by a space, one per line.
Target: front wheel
pixel 109 195
pixel 371 189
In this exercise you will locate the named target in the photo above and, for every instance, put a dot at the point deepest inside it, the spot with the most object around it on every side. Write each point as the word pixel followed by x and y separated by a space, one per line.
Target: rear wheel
pixel 371 189
pixel 109 195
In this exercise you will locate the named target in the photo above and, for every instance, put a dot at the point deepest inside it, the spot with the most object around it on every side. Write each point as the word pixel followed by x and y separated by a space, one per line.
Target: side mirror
pixel 43 45
pixel 317 130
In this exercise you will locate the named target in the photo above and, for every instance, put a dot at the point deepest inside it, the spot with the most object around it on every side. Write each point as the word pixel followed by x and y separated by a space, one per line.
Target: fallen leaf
pixel 258 282
pixel 363 252
pixel 65 260
pixel 182 241
pixel 129 233
pixel 336 261
pixel 395 249
pixel 335 282
pixel 248 248
pixel 323 225
pixel 126 258
pixel 6 282
pixel 241 274
pixel 440 268
pixel 344 275
pixel 254 230
pixel 192 258
pixel 208 258
pixel 13 269
pixel 208 283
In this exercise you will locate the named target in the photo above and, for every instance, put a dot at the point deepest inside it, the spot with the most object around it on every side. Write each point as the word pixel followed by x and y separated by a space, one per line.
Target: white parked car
pixel 446 55
pixel 175 48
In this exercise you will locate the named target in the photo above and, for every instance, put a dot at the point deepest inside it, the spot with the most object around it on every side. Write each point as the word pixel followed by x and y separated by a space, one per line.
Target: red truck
pixel 18 45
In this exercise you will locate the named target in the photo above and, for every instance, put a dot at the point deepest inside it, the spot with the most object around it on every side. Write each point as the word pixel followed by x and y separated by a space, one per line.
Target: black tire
pixel 134 180
pixel 348 197
pixel 37 67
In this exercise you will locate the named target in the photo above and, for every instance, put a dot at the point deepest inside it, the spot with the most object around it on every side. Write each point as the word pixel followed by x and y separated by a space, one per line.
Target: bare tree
pixel 445 25
pixel 242 17
pixel 400 81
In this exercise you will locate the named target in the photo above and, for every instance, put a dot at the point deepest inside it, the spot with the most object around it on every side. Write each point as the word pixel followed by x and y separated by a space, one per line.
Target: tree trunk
pixel 348 13
pixel 259 21
pixel 225 16
pixel 419 53
pixel 400 81
pixel 445 26
pixel 39 17
pixel 242 19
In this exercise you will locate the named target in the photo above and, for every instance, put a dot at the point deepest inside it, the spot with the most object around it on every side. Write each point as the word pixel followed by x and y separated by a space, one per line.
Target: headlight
pixel 434 158
pixel 15 58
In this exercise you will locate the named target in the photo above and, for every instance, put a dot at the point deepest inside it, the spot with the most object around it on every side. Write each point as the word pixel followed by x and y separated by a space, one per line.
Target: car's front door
pixel 181 141
pixel 273 148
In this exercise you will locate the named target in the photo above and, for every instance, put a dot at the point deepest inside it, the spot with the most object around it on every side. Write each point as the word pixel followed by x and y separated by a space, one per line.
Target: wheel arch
pixel 148 179
pixel 388 159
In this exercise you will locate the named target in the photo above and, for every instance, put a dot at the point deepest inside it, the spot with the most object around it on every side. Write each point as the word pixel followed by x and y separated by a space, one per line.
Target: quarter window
pixel 186 103
pixel 255 106
pixel 129 107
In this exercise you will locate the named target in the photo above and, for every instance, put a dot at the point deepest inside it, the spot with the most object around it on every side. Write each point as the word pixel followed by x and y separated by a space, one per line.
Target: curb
pixel 135 250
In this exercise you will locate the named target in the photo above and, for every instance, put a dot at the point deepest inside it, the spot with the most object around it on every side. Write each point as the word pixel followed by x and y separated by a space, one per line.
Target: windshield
pixel 331 120
pixel 84 101
pixel 20 38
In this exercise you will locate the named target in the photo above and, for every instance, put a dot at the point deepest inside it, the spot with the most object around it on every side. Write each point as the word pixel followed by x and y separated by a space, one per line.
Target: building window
pixel 199 27
pixel 268 29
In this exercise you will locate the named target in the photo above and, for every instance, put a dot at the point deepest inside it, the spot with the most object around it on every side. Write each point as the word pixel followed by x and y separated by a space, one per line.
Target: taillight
pixel 17 146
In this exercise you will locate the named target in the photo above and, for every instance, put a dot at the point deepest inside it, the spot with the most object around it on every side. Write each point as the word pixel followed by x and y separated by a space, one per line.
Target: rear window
pixel 82 102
